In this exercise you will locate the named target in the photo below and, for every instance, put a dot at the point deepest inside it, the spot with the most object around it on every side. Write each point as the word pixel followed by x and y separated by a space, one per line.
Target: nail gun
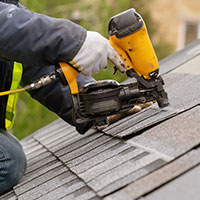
pixel 97 100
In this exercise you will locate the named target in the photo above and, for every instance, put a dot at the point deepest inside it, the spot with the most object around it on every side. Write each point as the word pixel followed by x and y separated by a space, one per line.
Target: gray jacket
pixel 39 42
pixel 36 39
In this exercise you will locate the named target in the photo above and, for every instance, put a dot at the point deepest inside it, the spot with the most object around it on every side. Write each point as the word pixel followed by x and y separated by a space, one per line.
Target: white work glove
pixel 94 54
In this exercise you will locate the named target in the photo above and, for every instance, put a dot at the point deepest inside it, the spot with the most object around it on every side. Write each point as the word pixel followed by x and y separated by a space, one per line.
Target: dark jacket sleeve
pixel 36 39
pixel 56 97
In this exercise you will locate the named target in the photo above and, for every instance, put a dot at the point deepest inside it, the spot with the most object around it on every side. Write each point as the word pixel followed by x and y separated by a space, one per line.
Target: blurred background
pixel 171 26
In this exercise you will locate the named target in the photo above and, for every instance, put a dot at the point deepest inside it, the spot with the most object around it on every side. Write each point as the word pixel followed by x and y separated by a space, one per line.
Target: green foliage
pixel 93 15
pixel 163 49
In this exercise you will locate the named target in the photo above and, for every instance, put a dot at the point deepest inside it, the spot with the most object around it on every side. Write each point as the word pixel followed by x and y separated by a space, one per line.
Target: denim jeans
pixel 12 161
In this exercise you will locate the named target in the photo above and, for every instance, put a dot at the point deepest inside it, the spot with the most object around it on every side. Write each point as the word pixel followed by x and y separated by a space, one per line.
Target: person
pixel 35 43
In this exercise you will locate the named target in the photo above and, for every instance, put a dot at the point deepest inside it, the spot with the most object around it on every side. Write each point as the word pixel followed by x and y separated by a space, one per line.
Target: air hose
pixel 43 81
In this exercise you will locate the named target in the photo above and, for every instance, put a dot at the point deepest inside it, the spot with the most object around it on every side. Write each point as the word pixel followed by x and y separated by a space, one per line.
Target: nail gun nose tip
pixel 163 104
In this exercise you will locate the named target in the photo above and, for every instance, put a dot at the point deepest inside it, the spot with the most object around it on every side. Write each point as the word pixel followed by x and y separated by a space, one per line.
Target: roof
pixel 154 154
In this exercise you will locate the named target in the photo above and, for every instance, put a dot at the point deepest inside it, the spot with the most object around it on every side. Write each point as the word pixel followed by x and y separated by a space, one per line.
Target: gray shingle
pixel 173 137
pixel 31 150
pixel 65 180
pixel 159 177
pixel 61 132
pixel 39 158
pixel 9 196
pixel 80 192
pixel 48 131
pixel 108 165
pixel 40 163
pixel 41 179
pixel 98 155
pixel 125 123
pixel 28 141
pixel 175 60
pixel 95 198
pixel 190 67
pixel 89 149
pixel 141 120
pixel 119 172
pixel 38 172
pixel 131 177
pixel 39 151
pixel 61 136
pixel 63 139
pixel 82 149
pixel 164 114
pixel 27 146
pixel 176 189
pixel 74 144
pixel 184 92
pixel 64 142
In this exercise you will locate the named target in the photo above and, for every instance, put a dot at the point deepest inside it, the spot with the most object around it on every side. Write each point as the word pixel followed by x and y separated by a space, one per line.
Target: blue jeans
pixel 12 161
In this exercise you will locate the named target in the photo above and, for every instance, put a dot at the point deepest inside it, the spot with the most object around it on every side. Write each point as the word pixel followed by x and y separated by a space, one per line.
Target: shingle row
pixel 181 88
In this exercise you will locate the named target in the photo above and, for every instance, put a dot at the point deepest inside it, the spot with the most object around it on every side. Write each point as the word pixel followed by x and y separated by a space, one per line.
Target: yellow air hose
pixel 12 92
pixel 43 81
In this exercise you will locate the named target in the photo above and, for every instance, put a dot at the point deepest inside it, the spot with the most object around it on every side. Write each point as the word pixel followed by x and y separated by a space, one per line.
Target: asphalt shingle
pixel 158 178
pixel 39 151
pixel 98 155
pixel 190 67
pixel 39 158
pixel 131 177
pixel 9 196
pixel 47 131
pixel 77 191
pixel 108 165
pixel 75 150
pixel 173 137
pixel 73 144
pixel 123 170
pixel 140 121
pixel 47 168
pixel 62 136
pixel 64 180
pixel 180 57
pixel 176 189
pixel 41 179
pixel 41 162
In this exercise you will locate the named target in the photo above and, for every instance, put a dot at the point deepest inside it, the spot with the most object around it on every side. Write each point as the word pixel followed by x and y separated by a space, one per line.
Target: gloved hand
pixel 94 54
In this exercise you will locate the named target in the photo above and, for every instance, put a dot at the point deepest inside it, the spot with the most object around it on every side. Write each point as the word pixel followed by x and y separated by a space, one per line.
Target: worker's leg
pixel 12 161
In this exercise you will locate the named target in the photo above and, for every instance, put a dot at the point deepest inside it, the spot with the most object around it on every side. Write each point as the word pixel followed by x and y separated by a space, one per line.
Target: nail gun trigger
pixel 115 70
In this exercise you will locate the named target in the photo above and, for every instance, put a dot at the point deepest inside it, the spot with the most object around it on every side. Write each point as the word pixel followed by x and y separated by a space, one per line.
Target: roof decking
pixel 154 154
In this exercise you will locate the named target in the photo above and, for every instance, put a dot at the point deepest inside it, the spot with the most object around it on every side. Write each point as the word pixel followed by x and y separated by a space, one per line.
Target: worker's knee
pixel 12 166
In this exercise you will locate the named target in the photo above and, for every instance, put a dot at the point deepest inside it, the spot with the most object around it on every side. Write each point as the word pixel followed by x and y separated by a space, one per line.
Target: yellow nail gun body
pixel 129 37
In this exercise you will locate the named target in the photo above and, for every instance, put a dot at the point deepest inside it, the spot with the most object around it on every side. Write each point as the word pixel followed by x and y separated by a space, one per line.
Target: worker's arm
pixel 36 39
pixel 55 96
